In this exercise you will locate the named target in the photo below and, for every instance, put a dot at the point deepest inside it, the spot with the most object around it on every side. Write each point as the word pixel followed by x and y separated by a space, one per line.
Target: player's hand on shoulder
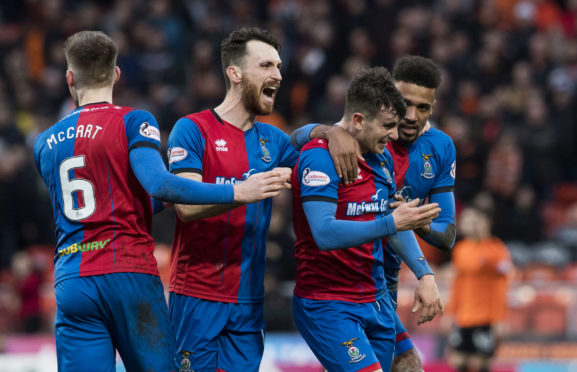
pixel 410 216
pixel 345 152
pixel 261 186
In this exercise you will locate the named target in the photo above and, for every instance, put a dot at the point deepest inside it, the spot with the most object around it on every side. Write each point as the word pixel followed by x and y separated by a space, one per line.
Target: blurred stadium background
pixel 508 100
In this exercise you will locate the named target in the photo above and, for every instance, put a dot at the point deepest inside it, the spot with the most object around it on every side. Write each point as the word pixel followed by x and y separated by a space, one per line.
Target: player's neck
pixel 93 95
pixel 233 111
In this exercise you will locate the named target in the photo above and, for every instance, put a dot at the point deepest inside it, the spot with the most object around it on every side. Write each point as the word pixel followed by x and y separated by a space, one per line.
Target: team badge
pixel 428 168
pixel 353 351
pixel 388 177
pixel 185 362
pixel 265 154
pixel 453 169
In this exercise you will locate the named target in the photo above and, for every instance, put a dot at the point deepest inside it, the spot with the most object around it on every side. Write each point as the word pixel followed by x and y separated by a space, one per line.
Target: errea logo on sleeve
pixel 221 145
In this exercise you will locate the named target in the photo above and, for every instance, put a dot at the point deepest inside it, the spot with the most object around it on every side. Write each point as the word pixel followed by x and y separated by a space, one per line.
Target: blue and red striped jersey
pixel 222 258
pixel 352 274
pixel 423 168
pixel 103 215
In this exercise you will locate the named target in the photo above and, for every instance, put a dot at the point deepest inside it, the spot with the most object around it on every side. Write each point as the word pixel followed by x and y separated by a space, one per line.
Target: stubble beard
pixel 250 96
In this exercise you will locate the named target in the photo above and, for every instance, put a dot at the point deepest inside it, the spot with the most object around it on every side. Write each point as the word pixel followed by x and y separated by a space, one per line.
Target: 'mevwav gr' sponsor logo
pixel 374 206
pixel 234 180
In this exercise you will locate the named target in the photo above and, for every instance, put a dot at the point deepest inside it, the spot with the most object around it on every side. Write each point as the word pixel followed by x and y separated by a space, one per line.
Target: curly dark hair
pixel 233 48
pixel 371 90
pixel 417 70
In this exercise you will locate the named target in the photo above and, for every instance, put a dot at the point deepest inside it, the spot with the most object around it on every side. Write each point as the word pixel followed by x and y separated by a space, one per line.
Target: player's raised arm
pixel 160 184
pixel 257 187
pixel 332 233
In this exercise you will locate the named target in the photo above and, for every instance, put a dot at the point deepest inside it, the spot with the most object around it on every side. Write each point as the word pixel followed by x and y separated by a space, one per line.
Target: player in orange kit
pixel 478 300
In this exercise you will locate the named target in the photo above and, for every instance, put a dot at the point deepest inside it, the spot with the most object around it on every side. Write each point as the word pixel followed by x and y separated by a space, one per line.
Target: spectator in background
pixel 27 280
pixel 478 301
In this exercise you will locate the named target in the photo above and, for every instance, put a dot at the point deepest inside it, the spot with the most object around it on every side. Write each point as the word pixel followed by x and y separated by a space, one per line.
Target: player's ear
pixel 234 74
pixel 70 78
pixel 358 120
pixel 117 73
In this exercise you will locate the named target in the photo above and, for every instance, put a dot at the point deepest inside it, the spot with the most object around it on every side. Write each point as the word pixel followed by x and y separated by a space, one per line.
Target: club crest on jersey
pixel 388 176
pixel 353 351
pixel 221 145
pixel 185 362
pixel 265 153
pixel 315 178
pixel 149 131
pixel 453 169
pixel 428 168
pixel 176 154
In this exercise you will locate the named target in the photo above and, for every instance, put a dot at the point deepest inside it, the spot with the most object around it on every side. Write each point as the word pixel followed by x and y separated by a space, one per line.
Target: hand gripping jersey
pixel 422 169
pixel 222 258
pixel 103 215
pixel 353 274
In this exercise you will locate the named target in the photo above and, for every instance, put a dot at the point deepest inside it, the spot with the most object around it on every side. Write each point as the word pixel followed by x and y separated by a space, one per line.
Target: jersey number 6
pixel 71 185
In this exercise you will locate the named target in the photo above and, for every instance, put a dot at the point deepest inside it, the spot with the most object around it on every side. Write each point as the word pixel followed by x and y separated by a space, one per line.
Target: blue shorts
pixel 97 315
pixel 216 335
pixel 347 336
pixel 403 341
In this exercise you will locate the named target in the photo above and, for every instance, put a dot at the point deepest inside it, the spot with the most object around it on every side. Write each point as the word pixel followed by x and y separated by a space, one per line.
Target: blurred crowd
pixel 507 100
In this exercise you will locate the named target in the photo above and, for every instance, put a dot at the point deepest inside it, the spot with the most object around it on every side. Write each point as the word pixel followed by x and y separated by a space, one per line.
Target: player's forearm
pixel 188 213
pixel 405 245
pixel 301 136
pixel 151 172
pixel 330 233
pixel 439 235
pixel 441 232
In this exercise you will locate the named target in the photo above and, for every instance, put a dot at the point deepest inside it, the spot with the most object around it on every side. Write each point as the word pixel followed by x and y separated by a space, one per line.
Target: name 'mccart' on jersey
pixel 81 131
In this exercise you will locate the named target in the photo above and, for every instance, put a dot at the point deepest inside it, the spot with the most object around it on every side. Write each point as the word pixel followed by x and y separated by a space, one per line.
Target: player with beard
pixel 424 160
pixel 217 271
pixel 101 164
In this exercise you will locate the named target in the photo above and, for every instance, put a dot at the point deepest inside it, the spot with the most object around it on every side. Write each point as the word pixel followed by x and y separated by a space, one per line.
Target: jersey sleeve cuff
pixel 319 198
pixel 186 170
pixel 144 144
pixel 387 225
